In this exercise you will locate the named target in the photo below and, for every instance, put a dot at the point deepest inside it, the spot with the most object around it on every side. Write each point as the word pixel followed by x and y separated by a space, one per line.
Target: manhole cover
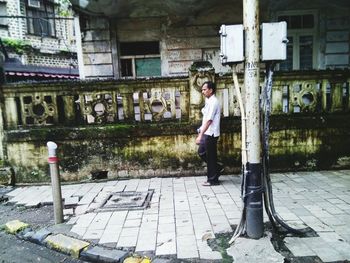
pixel 130 200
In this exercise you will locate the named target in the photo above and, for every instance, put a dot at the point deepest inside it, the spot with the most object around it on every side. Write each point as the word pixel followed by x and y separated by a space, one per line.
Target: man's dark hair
pixel 211 85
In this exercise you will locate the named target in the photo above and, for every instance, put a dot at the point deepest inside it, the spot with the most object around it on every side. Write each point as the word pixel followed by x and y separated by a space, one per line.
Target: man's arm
pixel 204 128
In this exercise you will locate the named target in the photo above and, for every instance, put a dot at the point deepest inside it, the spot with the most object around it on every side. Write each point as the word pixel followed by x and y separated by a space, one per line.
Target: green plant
pixel 17 45
pixel 63 9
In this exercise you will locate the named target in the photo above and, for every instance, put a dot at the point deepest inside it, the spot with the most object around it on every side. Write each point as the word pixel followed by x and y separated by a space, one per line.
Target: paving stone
pixel 166 248
pixel 127 241
pixel 253 250
pixel 186 247
pixel 102 254
pixel 65 244
pixel 71 201
pixel 15 226
pixel 85 220
pixel 68 212
pixel 93 233
pixel 110 235
pixel 132 222
pixel 40 235
pixel 298 247
pixel 329 254
pixel 81 209
pixel 25 234
pixel 146 240
pixel 182 209
pixel 15 191
pixel 100 220
pixel 78 230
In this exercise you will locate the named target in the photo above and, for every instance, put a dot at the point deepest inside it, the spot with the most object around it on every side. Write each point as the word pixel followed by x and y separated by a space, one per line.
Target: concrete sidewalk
pixel 182 214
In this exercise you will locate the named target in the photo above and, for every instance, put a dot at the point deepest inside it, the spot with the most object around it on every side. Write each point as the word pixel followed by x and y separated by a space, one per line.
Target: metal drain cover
pixel 129 200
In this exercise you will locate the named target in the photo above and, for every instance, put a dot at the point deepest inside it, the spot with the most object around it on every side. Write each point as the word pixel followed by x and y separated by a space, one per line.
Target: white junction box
pixel 274 41
pixel 231 43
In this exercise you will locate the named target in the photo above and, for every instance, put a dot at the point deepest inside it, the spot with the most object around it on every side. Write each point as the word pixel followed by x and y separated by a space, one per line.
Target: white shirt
pixel 212 111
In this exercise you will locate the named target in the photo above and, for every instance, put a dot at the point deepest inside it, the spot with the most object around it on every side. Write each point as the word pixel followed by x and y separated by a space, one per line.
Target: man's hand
pixel 198 139
pixel 202 131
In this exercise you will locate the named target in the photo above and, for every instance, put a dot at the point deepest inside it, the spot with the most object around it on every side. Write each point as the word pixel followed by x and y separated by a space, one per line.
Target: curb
pixel 74 247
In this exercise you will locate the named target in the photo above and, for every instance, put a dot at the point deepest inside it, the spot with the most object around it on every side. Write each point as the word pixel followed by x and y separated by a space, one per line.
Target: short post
pixel 55 182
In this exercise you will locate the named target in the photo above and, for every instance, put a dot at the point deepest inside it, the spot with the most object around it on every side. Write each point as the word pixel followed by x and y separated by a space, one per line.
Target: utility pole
pixel 254 216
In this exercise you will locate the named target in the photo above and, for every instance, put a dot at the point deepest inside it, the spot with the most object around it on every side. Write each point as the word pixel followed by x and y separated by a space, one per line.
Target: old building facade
pixel 138 111
pixel 152 39
pixel 38 41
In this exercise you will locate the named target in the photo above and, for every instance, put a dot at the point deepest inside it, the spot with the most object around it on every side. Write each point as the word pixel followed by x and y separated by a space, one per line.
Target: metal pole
pixel 254 215
pixel 55 182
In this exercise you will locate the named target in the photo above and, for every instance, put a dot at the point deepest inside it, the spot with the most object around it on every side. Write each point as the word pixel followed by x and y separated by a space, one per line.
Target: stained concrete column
pixel 199 73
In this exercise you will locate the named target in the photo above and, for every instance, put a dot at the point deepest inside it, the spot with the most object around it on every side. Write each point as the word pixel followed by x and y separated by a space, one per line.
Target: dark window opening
pixel 295 22
pixel 19 110
pixel 41 18
pixel 287 64
pixel 83 22
pixel 139 48
pixel 3 12
pixel 305 43
pixel 308 21
pixel 140 59
pixel 126 67
pixel 298 21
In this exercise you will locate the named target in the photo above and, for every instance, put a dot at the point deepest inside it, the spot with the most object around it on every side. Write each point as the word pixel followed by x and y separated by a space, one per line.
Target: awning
pixel 43 75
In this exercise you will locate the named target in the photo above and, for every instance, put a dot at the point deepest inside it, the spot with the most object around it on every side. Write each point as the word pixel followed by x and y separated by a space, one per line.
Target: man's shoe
pixel 210 183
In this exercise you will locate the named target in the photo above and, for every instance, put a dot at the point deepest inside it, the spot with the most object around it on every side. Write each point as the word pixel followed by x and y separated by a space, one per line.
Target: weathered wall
pixel 321 142
pixel 97 47
pixel 184 39
pixel 148 127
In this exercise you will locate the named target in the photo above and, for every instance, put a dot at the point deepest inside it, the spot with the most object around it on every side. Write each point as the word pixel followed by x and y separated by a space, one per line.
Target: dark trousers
pixel 207 150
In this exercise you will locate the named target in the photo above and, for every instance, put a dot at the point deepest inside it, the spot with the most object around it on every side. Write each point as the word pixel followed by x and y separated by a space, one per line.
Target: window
pixel 3 12
pixel 41 17
pixel 140 59
pixel 301 53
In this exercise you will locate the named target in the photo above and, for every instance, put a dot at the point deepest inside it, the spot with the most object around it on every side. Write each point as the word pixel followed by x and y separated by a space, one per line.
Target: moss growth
pixel 16 45
pixel 221 244
pixel 32 175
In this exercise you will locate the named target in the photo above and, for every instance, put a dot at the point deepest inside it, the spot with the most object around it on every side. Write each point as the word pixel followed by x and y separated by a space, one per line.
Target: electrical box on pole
pixel 274 41
pixel 231 43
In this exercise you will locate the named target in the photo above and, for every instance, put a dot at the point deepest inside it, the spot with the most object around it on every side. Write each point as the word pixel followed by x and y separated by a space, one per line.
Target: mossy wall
pixel 303 142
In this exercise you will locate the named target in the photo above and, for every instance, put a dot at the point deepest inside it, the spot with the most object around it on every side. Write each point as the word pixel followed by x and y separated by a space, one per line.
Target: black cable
pixel 268 195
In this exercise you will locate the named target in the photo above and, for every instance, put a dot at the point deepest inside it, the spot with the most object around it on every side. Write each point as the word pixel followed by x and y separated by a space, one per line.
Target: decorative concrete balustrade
pixel 157 100
pixel 146 127
pixel 87 103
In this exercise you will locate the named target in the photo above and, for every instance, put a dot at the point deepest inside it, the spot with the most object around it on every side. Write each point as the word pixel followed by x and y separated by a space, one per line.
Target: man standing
pixel 209 133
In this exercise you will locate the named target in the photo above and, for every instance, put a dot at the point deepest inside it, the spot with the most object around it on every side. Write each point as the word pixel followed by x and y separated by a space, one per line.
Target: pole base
pixel 255 228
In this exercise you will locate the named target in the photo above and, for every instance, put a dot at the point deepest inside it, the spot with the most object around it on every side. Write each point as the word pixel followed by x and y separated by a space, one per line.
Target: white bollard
pixel 55 182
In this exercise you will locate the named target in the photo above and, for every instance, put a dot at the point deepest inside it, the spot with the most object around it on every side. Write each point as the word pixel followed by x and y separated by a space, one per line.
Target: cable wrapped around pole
pixel 240 227
pixel 268 195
